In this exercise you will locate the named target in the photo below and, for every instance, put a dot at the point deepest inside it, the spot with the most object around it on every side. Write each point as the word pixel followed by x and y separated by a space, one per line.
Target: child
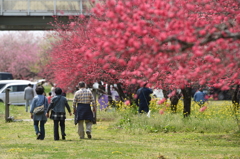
pixel 49 97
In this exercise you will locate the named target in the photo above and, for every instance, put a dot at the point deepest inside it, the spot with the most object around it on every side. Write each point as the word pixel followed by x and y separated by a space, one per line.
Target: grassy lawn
pixel 18 140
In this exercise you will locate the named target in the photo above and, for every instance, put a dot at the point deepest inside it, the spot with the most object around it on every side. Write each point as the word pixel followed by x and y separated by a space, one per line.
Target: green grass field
pixel 122 134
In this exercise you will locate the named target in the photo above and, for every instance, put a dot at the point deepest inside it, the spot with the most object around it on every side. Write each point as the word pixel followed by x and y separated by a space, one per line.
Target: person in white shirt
pixel 53 90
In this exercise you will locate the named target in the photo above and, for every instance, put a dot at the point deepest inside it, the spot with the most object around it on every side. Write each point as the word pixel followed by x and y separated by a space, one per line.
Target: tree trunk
pixel 236 106
pixel 95 100
pixel 120 92
pixel 174 102
pixel 109 93
pixel 235 98
pixel 165 93
pixel 187 98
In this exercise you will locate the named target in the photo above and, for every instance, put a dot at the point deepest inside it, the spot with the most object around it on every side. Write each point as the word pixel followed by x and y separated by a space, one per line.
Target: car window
pixel 17 88
pixel 2 85
pixel 21 88
pixel 11 89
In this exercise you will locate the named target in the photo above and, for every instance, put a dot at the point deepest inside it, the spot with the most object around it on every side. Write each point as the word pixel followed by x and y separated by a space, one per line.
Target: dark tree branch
pixel 226 34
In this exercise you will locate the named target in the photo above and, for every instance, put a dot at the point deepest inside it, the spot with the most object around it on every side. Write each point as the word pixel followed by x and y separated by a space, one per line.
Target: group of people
pixel 82 101
pixel 143 98
pixel 83 98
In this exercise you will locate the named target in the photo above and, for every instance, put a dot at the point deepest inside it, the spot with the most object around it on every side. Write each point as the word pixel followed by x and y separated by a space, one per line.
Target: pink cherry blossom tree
pixel 68 63
pixel 173 43
pixel 19 52
pixel 169 43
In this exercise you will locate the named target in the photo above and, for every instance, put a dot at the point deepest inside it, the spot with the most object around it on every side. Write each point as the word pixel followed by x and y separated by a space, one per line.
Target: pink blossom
pixel 127 102
pixel 209 58
pixel 171 94
pixel 161 101
pixel 217 60
pixel 225 87
pixel 136 44
pixel 198 53
pixel 72 24
pixel 190 6
pixel 106 66
pixel 203 109
pixel 133 81
pixel 122 62
pixel 79 66
pixel 161 111
pixel 111 14
pixel 135 96
pixel 207 97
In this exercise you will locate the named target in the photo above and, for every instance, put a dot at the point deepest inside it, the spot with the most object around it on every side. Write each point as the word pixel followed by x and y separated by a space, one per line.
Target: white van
pixel 4 82
pixel 16 93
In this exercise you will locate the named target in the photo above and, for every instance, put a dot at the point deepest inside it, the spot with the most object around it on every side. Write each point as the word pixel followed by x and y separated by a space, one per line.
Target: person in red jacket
pixel 49 97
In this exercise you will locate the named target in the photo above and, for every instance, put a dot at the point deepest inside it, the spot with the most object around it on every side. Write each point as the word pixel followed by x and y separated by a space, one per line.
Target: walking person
pixel 174 98
pixel 28 96
pixel 41 119
pixel 143 99
pixel 53 90
pixel 82 110
pixel 49 97
pixel 58 114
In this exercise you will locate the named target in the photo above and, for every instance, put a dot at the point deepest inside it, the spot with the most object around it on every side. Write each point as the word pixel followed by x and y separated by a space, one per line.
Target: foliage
pixel 169 44
pixel 18 53
pixel 68 64
pixel 218 116
pixel 18 139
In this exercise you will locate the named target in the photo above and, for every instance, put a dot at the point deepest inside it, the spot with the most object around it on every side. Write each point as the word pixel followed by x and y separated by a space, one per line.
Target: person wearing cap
pixel 82 101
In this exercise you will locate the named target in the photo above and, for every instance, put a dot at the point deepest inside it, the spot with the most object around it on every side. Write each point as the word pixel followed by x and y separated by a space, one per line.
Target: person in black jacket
pixel 143 98
pixel 58 114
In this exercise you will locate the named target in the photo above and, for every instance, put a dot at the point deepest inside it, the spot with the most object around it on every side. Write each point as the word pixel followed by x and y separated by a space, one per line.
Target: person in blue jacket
pixel 143 98
pixel 199 97
pixel 41 119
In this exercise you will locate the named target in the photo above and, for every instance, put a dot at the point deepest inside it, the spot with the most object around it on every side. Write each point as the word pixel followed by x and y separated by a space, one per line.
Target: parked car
pixel 6 76
pixel 16 93
pixel 4 82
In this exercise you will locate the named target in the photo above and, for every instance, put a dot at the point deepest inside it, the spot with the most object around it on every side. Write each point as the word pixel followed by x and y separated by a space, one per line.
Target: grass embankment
pixel 123 134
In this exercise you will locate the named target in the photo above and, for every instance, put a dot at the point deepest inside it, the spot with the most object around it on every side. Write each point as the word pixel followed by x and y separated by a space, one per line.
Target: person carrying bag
pixel 58 114
pixel 39 101
pixel 40 109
